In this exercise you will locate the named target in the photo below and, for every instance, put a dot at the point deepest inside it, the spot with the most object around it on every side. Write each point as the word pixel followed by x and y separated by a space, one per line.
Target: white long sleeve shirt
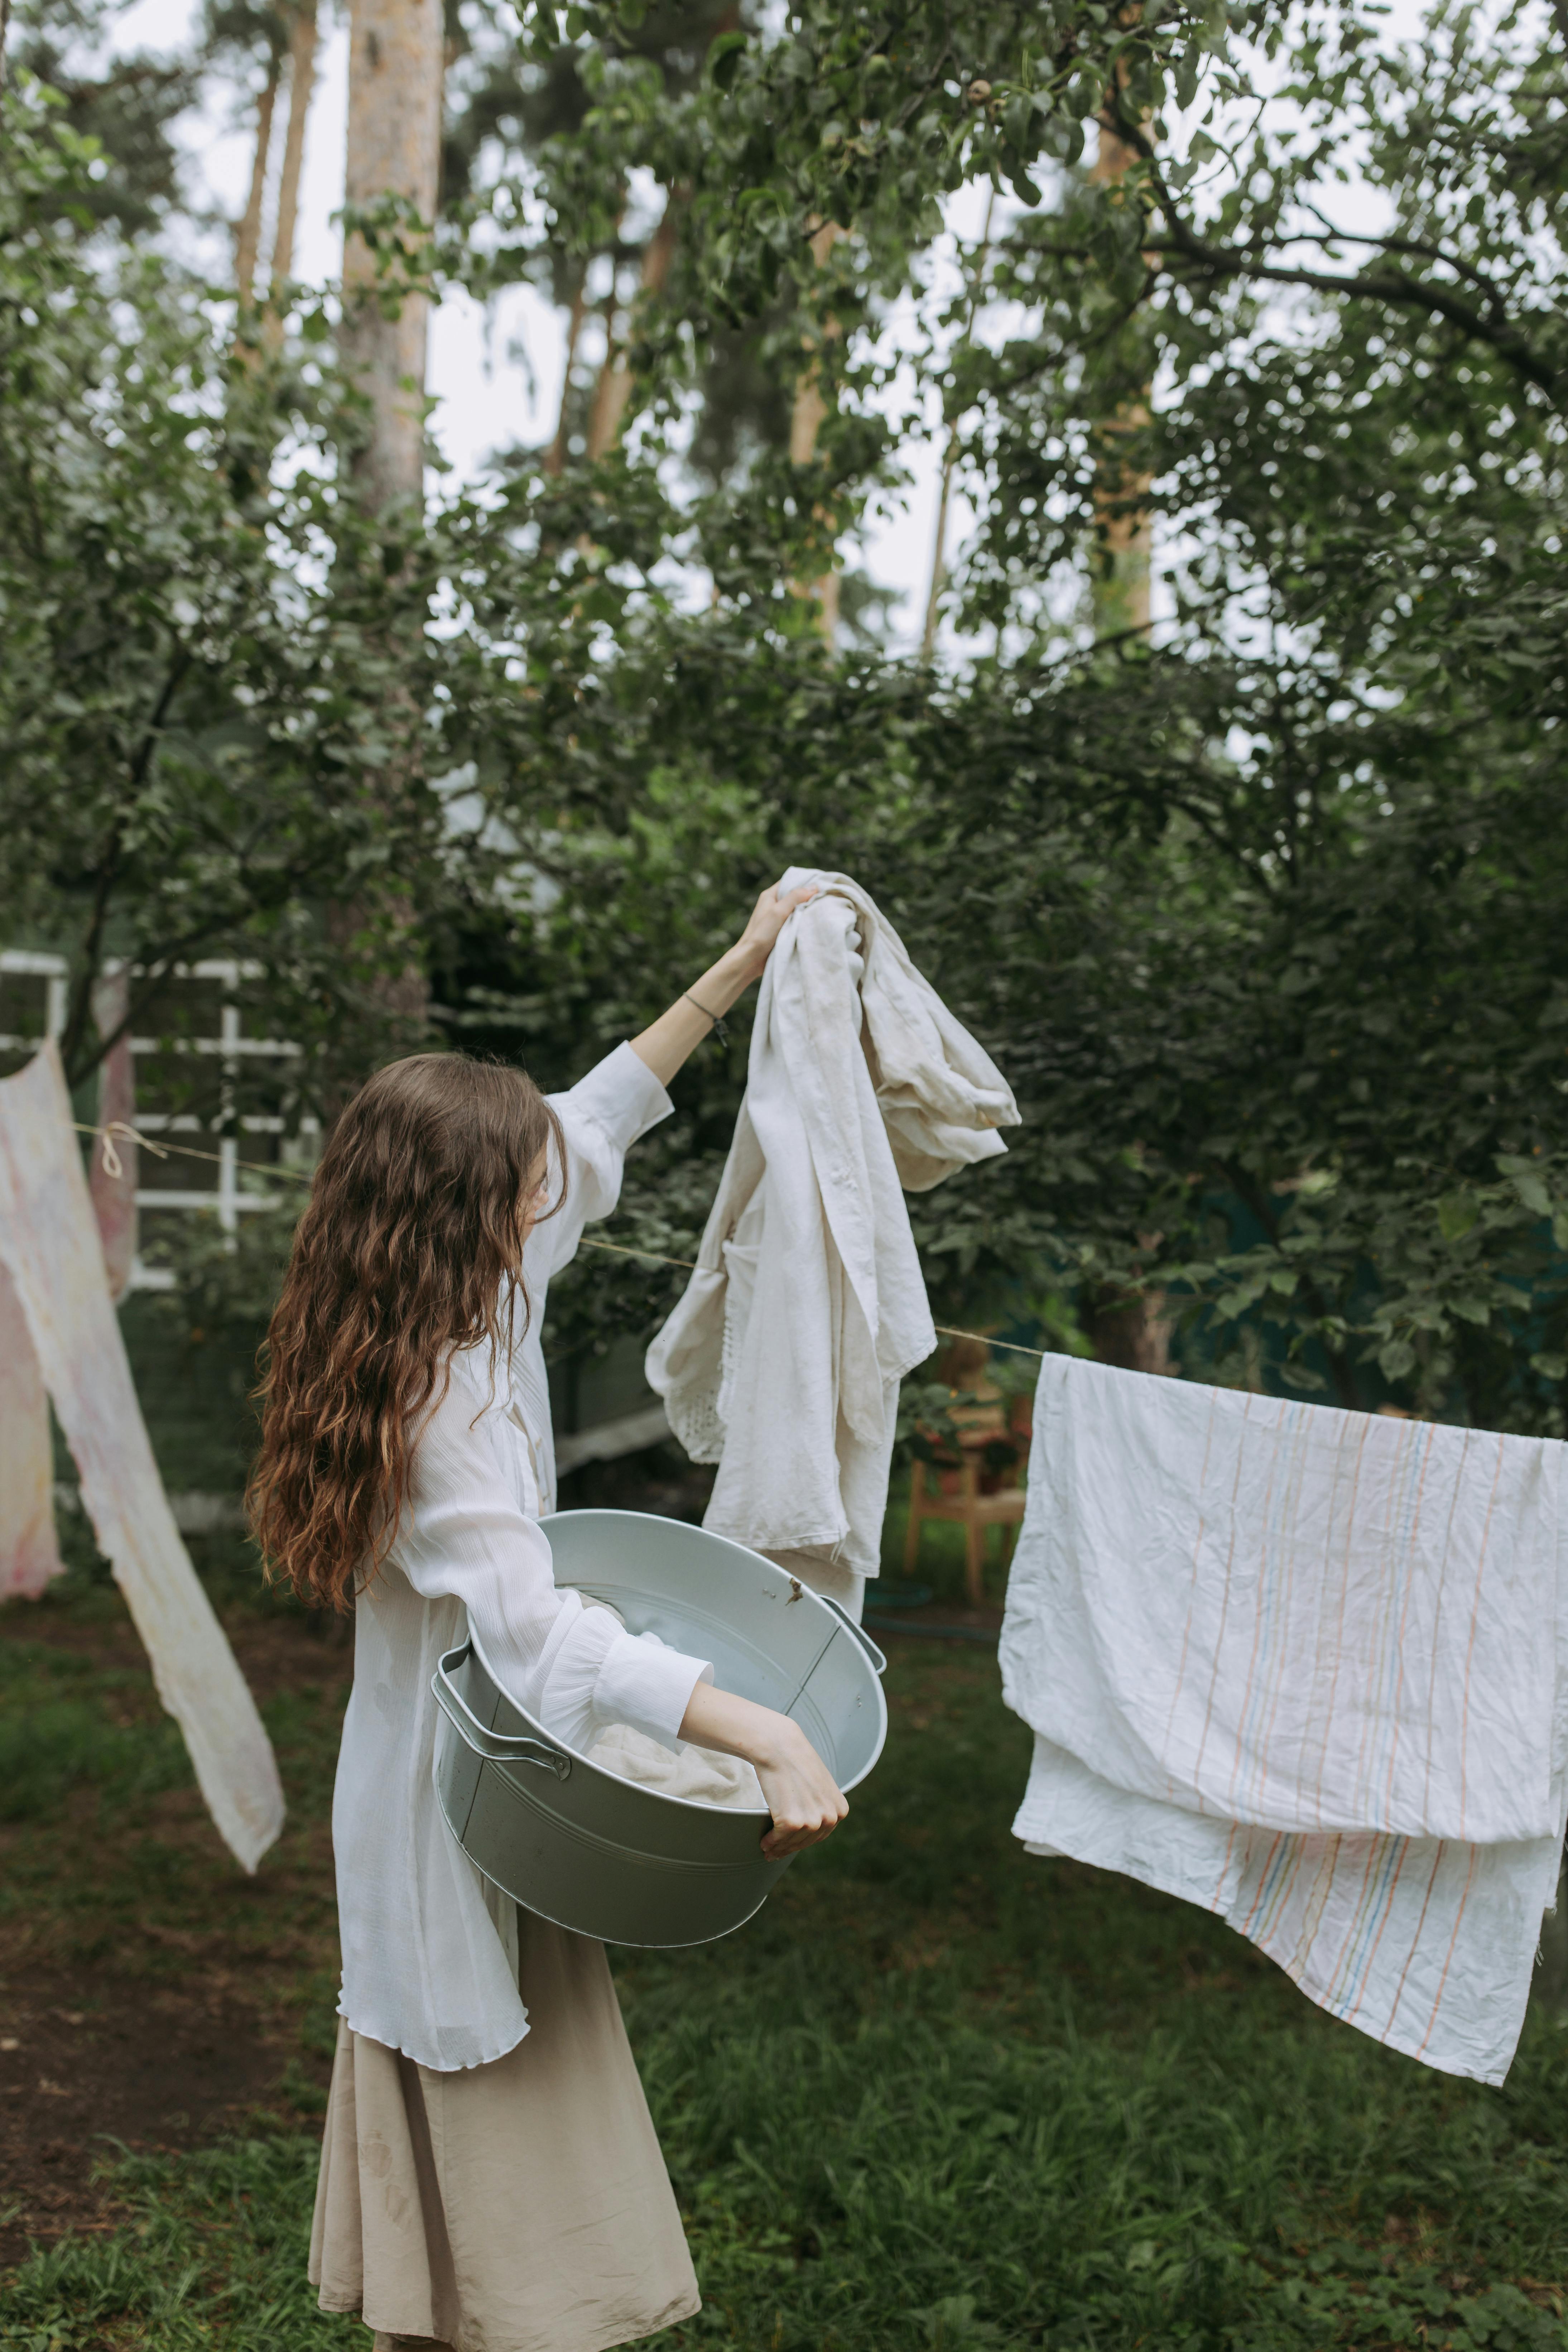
pixel 429 1950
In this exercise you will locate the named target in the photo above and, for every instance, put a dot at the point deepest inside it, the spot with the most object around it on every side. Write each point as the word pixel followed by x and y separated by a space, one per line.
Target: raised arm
pixel 667 1042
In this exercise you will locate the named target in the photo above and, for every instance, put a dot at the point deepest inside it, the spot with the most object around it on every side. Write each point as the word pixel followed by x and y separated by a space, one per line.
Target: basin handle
pixel 495 1747
pixel 867 1644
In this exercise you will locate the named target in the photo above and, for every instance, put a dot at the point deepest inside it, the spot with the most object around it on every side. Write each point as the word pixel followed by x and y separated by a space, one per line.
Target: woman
pixel 490 2180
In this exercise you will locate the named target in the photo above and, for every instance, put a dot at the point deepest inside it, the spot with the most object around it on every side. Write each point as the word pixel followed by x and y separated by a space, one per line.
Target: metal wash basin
pixel 594 1852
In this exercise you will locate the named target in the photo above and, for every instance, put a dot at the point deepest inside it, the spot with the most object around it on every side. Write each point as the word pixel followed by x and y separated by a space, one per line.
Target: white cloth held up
pixel 51 1249
pixel 1309 1669
pixel 782 1361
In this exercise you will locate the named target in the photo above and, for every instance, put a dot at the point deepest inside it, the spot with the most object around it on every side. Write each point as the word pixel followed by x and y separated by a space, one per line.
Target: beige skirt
pixel 518 2207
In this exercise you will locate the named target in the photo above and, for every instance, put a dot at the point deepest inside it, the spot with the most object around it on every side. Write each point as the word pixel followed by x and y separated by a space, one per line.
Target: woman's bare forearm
pixel 801 1793
pixel 666 1042
pixel 735 1726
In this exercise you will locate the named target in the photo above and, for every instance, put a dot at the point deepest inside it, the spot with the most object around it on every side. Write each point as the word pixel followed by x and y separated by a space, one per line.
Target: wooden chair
pixel 978 1502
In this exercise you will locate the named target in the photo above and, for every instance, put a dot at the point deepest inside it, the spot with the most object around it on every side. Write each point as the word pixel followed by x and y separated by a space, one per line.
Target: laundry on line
pixel 617 1249
pixel 1309 1669
pixel 53 1256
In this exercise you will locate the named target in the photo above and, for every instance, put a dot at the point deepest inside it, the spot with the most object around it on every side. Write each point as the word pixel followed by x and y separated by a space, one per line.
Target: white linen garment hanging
pixel 430 1953
pixel 51 1247
pixel 782 1361
pixel 1308 1669
pixel 30 1550
pixel 29 1553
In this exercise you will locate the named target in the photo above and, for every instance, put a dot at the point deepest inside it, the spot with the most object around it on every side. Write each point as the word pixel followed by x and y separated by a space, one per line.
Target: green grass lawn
pixel 938 2095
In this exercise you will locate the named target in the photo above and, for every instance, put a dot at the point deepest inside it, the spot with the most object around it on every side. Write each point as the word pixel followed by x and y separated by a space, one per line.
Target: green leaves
pixel 203 694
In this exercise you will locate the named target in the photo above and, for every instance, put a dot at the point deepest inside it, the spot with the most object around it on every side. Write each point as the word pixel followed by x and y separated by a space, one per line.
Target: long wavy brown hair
pixel 411 1245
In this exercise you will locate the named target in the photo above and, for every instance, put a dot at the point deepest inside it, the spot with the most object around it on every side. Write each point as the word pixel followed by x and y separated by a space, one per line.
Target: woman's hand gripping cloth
pixel 782 1361
pixel 1308 1669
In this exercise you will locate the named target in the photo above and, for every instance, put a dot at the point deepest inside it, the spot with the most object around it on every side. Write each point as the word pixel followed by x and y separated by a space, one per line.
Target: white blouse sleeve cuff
pixel 645 1683
pixel 600 1674
pixel 621 1095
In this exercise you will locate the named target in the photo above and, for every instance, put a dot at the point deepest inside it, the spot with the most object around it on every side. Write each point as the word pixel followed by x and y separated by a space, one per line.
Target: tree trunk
pixel 555 455
pixel 395 63
pixel 1122 519
pixel 301 85
pixel 1133 1332
pixel 595 442
pixel 949 459
pixel 805 424
pixel 247 238
pixel 112 1177
pixel 613 388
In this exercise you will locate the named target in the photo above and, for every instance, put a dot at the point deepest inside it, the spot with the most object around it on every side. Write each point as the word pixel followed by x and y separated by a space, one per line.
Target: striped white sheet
pixel 1305 1667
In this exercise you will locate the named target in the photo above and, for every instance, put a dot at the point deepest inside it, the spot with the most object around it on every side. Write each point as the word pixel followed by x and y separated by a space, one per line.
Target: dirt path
pixel 95 2059
pixel 118 2025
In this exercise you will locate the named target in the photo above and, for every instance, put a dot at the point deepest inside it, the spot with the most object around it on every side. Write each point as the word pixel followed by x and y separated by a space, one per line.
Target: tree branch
pixel 1392 286
pixel 75 1028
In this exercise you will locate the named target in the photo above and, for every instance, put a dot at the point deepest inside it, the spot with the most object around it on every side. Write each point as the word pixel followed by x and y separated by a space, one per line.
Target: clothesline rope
pixel 112 1168
pixel 945 1330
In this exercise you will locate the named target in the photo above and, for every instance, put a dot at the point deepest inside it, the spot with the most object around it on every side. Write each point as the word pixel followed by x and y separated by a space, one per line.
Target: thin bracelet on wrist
pixel 716 1019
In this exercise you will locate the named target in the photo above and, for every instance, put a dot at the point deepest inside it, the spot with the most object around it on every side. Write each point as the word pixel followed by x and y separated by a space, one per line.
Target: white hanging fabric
pixel 29 1550
pixel 782 1361
pixel 29 1554
pixel 1308 1669
pixel 51 1247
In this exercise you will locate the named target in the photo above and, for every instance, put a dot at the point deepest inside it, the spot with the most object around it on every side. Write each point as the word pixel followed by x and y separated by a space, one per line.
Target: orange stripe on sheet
pixel 1258 1615
pixel 1354 2008
pixel 1449 1961
pixel 1339 1645
pixel 1192 1594
pixel 1437 1618
pixel 1470 1650
pixel 1262 1881
pixel 1414 1943
pixel 1224 1613
pixel 1405 1616
pixel 1344 1961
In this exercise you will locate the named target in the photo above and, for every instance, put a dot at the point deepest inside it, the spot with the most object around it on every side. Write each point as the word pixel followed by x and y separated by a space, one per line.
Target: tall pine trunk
pixel 396 69
pixel 613 391
pixel 805 424
pixel 1133 1330
pixel 247 237
pixel 396 66
pixel 1121 514
pixel 301 86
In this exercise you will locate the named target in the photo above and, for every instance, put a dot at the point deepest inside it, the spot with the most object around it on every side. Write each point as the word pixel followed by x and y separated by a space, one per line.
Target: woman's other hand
pixel 803 1798
pixel 806 1802
pixel 767 920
